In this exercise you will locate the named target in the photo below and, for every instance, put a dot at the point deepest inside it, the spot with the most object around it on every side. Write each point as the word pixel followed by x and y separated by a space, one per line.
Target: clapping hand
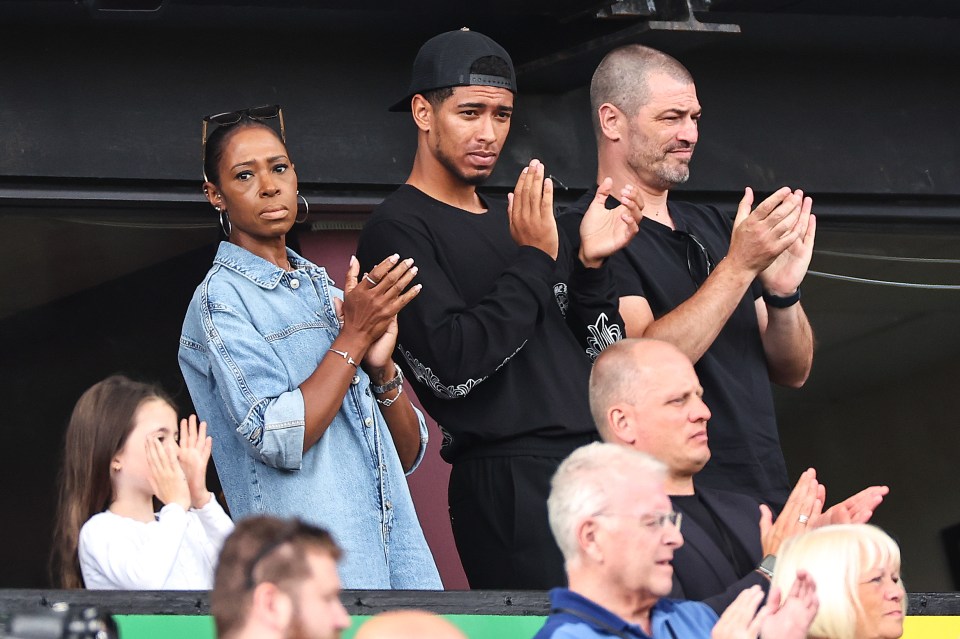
pixel 801 510
pixel 857 509
pixel 167 479
pixel 741 620
pixel 371 304
pixel 787 271
pixel 530 209
pixel 791 619
pixel 603 232
pixel 195 448
pixel 762 234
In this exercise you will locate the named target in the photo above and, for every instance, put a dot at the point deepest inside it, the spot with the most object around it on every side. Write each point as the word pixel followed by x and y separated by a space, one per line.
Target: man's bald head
pixel 622 79
pixel 622 374
pixel 645 394
pixel 408 624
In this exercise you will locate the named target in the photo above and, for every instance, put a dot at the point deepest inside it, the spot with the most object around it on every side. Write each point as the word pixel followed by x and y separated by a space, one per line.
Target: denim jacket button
pixel 388 505
pixel 368 421
pixel 355 380
pixel 294 284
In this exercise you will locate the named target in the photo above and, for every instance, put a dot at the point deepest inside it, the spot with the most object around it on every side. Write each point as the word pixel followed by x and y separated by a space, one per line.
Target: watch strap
pixel 767 565
pixel 389 386
pixel 781 302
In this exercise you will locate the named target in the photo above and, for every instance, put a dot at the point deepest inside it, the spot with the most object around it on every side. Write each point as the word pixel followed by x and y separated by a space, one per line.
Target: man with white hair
pixel 614 524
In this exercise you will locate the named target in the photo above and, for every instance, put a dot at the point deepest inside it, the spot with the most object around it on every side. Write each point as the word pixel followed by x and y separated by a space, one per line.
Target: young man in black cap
pixel 501 338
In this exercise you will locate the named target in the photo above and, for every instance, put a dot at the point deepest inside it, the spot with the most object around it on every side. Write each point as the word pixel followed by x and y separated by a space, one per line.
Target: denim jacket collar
pixel 261 272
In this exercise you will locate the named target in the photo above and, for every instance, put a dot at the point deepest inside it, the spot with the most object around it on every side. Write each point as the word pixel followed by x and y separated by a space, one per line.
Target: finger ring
pixel 804 519
pixel 371 280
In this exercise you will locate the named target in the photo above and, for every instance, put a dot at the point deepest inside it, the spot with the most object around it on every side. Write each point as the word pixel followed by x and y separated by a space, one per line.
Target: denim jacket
pixel 252 334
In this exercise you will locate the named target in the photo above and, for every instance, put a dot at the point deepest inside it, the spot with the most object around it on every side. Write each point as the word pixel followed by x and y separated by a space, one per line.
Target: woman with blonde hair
pixel 856 568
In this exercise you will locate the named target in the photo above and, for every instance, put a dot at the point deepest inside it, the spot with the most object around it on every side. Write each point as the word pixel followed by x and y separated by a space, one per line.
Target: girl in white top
pixel 121 452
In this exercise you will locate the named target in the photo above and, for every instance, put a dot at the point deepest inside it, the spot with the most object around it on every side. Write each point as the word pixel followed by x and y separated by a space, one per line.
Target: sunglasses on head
pixel 230 118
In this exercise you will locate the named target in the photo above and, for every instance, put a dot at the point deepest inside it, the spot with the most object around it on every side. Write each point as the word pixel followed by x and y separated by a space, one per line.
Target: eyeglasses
pixel 286 536
pixel 651 521
pixel 699 262
pixel 260 113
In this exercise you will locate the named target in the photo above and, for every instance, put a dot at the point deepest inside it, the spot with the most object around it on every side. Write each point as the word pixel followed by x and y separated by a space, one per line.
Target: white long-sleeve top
pixel 178 551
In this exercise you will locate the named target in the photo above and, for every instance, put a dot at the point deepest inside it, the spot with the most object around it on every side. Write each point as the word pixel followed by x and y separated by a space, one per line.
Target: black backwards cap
pixel 445 60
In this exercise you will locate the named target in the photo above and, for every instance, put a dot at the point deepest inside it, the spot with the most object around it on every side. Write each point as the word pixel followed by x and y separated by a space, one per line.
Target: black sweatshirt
pixel 501 339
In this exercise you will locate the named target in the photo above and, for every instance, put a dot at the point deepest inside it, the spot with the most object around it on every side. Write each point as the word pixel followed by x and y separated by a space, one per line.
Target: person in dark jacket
pixel 645 394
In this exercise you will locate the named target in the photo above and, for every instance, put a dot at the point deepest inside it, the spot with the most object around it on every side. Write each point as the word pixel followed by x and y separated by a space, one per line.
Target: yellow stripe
pixel 931 628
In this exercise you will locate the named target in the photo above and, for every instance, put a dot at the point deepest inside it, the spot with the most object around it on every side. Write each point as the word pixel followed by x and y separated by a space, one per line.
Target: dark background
pixel 105 233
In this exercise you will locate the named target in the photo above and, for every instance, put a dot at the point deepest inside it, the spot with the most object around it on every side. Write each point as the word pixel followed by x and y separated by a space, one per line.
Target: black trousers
pixel 498 510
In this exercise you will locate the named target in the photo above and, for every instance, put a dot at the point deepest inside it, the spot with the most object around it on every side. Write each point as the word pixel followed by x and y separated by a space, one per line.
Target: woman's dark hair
pixel 99 426
pixel 217 142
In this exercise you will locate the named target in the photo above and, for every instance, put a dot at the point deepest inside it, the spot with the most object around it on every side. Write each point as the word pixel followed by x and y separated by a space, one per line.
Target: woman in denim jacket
pixel 294 377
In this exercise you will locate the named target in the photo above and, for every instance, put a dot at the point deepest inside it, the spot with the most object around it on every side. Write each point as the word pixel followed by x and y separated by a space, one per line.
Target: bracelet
pixel 387 403
pixel 345 355
pixel 389 386
pixel 781 302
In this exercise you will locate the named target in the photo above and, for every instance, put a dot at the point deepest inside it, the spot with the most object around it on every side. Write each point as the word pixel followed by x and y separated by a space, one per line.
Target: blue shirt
pixel 252 334
pixel 573 616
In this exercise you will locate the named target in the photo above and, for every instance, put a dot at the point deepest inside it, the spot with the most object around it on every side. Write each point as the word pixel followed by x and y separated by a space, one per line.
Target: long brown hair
pixel 99 426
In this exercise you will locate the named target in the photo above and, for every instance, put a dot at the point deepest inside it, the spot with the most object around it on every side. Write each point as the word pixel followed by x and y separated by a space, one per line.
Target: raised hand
pixel 802 508
pixel 371 303
pixel 741 620
pixel 792 618
pixel 857 509
pixel 381 350
pixel 787 271
pixel 603 232
pixel 194 456
pixel 762 234
pixel 167 479
pixel 530 208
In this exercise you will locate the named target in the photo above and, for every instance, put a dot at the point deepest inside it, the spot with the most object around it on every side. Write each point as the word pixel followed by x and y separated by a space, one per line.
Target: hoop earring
pixel 224 221
pixel 306 213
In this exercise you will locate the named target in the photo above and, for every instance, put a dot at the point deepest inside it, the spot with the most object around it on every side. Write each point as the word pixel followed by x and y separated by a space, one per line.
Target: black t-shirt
pixel 500 339
pixel 745 445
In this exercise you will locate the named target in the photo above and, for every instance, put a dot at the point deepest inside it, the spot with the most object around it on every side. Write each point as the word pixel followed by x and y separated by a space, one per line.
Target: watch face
pixel 768 564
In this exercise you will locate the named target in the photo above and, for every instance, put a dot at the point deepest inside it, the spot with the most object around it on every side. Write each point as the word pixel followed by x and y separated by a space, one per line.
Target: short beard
pixel 642 159
pixel 666 175
pixel 672 175
pixel 298 630
pixel 473 180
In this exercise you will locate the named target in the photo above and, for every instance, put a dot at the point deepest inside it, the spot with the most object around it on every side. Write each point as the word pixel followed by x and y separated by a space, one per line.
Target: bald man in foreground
pixel 408 624
pixel 645 394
